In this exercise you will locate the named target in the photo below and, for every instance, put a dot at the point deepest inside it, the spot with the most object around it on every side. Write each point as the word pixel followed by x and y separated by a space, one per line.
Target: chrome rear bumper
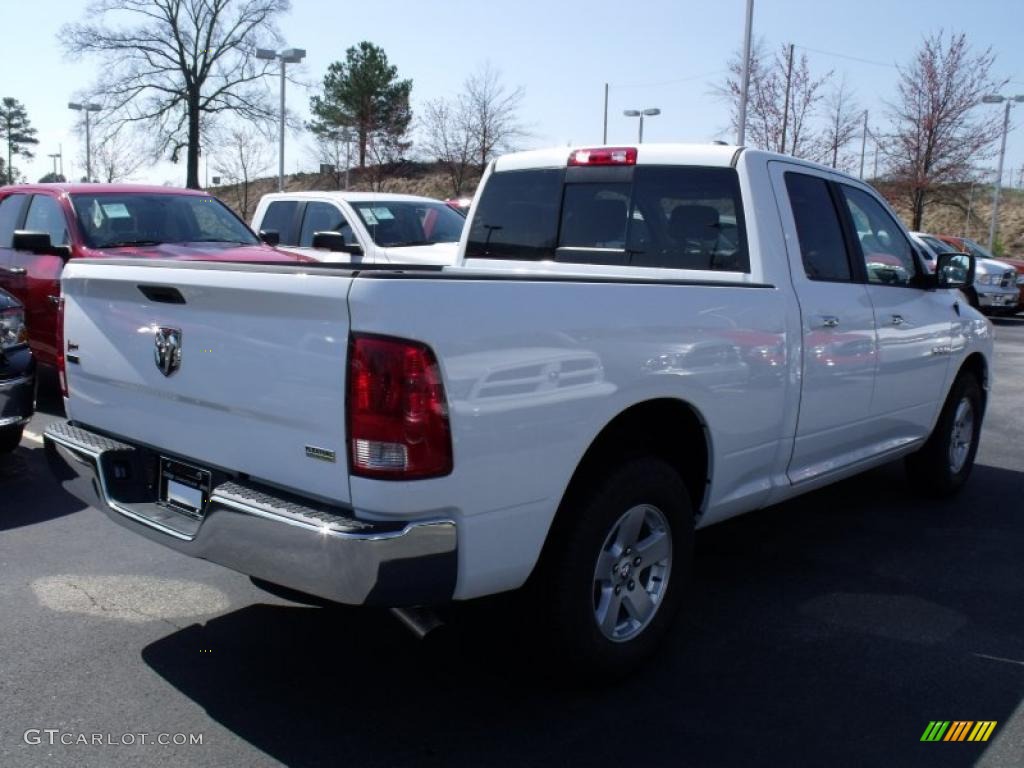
pixel 298 543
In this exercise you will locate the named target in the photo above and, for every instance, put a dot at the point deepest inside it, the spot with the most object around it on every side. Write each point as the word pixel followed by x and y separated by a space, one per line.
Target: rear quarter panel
pixel 535 369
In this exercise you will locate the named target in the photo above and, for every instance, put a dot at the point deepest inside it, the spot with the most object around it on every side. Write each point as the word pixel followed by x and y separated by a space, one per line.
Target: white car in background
pixel 994 290
pixel 360 227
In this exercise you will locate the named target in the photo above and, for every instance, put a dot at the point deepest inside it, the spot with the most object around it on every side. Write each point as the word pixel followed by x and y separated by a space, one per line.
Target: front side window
pixel 818 228
pixel 671 217
pixel 45 215
pixel 10 211
pixel 396 224
pixel 324 217
pixel 113 220
pixel 888 256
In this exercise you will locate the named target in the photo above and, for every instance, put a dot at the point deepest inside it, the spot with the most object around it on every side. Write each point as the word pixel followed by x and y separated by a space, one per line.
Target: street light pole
pixel 87 107
pixel 741 131
pixel 649 112
pixel 287 56
pixel 996 99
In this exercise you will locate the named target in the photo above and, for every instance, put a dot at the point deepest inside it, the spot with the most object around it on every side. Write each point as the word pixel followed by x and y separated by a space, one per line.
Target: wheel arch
pixel 666 427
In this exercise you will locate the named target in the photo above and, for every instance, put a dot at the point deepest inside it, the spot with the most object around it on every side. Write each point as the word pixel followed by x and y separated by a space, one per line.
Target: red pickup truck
pixel 42 226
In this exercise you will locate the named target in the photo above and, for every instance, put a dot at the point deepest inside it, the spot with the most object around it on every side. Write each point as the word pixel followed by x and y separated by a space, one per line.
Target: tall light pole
pixel 53 156
pixel 995 99
pixel 87 107
pixel 641 113
pixel 287 56
pixel 741 130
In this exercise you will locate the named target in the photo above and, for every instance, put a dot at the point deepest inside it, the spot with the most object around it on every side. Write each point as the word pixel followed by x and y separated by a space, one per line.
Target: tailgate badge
pixel 167 350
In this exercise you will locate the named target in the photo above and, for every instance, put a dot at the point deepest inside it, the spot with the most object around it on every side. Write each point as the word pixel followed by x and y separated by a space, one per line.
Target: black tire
pixel 931 469
pixel 565 583
pixel 10 437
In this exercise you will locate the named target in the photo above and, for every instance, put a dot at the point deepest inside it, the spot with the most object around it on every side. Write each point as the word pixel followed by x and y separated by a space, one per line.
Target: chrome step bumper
pixel 298 543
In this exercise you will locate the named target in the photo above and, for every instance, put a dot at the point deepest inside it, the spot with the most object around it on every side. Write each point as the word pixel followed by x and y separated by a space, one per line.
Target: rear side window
pixel 822 245
pixel 10 211
pixel 280 218
pixel 674 217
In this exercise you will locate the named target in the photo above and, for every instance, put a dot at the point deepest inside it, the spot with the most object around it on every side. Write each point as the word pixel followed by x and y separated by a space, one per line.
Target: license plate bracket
pixel 184 488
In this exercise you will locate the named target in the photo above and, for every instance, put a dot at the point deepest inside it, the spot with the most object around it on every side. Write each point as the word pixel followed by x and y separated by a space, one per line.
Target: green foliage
pixel 52 178
pixel 17 131
pixel 363 93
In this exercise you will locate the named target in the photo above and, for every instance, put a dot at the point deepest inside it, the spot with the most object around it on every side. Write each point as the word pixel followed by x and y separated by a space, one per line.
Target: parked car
pixel 17 373
pixel 995 288
pixel 634 342
pixel 361 227
pixel 43 227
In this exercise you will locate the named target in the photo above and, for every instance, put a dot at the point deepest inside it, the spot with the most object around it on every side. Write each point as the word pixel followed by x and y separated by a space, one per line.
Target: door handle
pixel 829 321
pixel 55 300
pixel 898 320
pixel 14 270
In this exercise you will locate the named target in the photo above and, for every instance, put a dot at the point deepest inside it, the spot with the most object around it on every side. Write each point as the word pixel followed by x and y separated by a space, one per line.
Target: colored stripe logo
pixel 958 730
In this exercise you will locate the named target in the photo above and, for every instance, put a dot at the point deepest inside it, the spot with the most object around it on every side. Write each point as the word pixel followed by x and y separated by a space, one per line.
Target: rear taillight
pixel 604 156
pixel 397 412
pixel 62 373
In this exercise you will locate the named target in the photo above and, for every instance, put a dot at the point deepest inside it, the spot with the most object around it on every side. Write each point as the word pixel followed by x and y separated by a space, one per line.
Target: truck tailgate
pixel 259 387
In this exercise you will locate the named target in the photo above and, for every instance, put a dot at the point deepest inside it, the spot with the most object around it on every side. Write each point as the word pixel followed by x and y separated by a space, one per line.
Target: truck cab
pixel 361 227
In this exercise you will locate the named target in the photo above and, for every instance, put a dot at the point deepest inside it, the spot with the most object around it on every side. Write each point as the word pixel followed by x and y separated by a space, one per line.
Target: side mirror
pixel 335 241
pixel 38 243
pixel 954 270
pixel 270 236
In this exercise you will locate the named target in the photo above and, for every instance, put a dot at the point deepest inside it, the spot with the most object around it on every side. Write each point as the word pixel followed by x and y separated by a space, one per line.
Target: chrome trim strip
pixel 11 421
pixel 12 383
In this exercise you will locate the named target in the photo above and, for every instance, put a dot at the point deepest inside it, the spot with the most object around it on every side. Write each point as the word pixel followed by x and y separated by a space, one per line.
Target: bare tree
pixel 334 148
pixel 116 153
pixel 844 123
pixel 181 62
pixel 935 138
pixel 449 136
pixel 244 158
pixel 775 122
pixel 493 112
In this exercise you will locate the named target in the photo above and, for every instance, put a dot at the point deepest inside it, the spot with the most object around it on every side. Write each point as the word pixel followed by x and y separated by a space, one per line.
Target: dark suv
pixel 17 373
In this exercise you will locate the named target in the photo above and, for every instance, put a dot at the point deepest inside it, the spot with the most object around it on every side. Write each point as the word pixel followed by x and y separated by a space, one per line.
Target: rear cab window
pixel 664 216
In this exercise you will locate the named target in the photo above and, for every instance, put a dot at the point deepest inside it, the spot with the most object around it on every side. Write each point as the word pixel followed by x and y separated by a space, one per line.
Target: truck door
pixel 914 322
pixel 40 276
pixel 840 346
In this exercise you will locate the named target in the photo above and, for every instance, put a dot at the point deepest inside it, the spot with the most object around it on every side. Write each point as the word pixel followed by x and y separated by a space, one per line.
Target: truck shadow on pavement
pixel 829 631
pixel 28 494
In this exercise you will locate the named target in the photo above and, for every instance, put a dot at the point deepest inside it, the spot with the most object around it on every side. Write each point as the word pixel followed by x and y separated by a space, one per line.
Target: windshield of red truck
pixel 112 220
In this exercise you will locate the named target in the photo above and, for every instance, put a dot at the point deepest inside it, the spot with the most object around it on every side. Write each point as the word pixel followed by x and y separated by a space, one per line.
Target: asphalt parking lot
pixel 825 631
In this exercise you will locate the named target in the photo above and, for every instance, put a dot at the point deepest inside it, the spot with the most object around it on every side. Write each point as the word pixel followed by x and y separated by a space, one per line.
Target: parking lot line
pixel 32 437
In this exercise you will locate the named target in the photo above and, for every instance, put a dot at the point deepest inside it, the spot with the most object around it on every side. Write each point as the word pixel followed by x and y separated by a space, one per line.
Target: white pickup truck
pixel 360 227
pixel 634 343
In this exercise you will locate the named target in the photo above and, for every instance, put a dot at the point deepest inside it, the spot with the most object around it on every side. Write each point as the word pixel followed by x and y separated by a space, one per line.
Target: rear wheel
pixel 10 437
pixel 614 576
pixel 943 464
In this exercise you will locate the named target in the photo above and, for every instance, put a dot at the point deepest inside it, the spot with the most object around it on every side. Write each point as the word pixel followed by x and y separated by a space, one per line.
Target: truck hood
pixel 198 252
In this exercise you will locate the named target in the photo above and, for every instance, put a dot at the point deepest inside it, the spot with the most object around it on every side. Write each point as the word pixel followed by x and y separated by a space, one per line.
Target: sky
pixel 654 53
